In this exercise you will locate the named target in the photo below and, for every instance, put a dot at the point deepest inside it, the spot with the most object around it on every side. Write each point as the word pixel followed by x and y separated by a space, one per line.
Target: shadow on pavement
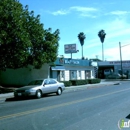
pixel 28 98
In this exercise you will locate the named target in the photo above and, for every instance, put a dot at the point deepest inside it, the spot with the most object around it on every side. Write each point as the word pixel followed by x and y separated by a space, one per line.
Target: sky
pixel 88 16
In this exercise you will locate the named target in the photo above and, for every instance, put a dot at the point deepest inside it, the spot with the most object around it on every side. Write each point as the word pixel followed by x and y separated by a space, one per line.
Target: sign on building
pixel 70 48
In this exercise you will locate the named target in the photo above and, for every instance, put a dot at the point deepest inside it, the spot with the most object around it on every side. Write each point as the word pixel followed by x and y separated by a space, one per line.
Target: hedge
pixel 94 81
pixel 79 82
pixel 66 83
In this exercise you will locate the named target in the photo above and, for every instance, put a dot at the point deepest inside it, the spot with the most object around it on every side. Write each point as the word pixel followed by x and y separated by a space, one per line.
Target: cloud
pixel 60 12
pixel 118 12
pixel 83 11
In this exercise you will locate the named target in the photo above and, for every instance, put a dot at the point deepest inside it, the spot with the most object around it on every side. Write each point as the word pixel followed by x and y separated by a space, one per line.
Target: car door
pixel 53 85
pixel 46 86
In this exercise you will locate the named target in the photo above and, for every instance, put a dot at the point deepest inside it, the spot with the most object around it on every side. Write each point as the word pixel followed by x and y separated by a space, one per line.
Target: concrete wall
pixel 22 76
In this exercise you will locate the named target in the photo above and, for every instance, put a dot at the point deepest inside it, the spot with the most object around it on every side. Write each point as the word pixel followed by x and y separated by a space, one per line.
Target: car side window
pixel 46 82
pixel 52 81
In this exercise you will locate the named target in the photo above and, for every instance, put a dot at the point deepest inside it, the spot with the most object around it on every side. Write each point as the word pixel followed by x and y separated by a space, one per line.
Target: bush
pixel 66 83
pixel 79 82
pixel 94 81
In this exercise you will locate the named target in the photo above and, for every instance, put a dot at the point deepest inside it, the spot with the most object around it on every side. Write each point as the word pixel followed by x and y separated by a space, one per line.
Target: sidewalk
pixel 68 89
pixel 87 86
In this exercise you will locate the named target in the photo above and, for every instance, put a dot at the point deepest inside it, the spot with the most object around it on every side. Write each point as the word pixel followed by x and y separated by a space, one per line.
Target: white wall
pixel 83 74
pixel 92 73
pixel 67 75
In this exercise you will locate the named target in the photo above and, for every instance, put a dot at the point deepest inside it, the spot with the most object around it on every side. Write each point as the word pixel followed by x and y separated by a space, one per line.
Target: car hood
pixel 28 87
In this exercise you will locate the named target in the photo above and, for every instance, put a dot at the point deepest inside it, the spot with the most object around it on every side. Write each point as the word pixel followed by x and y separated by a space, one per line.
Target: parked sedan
pixel 39 87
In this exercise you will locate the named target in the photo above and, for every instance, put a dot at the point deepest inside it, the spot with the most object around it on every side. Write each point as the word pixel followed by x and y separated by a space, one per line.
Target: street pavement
pixel 72 88
pixel 99 107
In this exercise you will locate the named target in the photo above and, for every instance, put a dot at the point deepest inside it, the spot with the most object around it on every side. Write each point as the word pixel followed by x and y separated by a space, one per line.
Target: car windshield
pixel 36 82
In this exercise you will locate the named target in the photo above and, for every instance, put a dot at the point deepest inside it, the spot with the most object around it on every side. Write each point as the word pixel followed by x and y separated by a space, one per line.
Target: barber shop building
pixel 63 69
pixel 68 69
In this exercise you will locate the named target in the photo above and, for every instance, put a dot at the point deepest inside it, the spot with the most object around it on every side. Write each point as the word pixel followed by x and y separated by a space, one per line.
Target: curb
pixel 88 86
pixel 69 89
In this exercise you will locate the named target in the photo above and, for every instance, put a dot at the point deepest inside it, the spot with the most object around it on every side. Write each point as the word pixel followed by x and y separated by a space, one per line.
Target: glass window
pixel 73 75
pixel 88 74
pixel 52 81
pixel 62 74
pixel 79 72
pixel 46 81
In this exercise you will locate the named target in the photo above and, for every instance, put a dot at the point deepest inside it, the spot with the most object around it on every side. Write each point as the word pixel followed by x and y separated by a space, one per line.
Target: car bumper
pixel 24 94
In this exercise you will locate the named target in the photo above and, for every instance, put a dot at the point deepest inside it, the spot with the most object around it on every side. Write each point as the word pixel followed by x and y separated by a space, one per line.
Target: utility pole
pixel 121 60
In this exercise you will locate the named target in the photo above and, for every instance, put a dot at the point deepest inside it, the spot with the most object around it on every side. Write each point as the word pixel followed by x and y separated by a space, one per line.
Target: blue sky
pixel 88 16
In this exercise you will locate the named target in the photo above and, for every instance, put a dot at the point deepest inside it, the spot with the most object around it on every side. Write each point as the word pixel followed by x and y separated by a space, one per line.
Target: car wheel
pixel 38 94
pixel 59 91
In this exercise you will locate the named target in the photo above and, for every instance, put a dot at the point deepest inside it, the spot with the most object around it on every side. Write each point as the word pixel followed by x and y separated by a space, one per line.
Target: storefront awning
pixel 58 68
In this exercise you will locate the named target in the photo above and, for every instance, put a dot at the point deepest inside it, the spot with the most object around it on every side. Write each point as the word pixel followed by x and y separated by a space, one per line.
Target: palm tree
pixel 102 35
pixel 81 37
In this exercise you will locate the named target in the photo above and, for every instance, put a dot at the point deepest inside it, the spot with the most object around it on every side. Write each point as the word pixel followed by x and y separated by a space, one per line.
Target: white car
pixel 39 87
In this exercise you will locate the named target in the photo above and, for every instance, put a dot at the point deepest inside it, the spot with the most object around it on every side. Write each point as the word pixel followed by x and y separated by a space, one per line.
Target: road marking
pixel 60 105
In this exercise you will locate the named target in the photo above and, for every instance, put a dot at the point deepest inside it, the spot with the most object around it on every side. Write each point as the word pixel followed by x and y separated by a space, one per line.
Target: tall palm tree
pixel 102 35
pixel 81 37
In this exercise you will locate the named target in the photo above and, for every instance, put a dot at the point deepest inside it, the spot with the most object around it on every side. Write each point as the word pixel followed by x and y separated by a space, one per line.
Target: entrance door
pixel 58 75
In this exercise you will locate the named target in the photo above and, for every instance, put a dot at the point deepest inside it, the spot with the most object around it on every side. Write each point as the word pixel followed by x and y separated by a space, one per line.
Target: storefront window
pixel 62 74
pixel 87 74
pixel 73 75
pixel 79 74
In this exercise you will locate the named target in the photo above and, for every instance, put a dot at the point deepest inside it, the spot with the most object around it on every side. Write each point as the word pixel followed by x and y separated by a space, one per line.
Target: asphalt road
pixel 101 108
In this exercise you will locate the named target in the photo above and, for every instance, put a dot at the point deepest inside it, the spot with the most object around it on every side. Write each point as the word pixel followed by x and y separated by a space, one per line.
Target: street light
pixel 121 57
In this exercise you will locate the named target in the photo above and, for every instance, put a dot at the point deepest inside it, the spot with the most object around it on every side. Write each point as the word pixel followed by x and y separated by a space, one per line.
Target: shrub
pixel 79 82
pixel 94 81
pixel 66 83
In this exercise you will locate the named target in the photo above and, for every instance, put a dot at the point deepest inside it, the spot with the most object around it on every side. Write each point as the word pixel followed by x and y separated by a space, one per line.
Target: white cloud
pixel 118 12
pixel 60 12
pixel 83 11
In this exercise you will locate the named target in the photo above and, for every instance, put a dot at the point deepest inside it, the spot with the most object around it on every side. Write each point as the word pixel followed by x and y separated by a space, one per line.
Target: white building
pixel 69 69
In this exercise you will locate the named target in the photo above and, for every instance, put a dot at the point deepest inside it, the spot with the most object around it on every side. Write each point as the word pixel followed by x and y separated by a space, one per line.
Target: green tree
pixel 81 37
pixel 102 35
pixel 23 40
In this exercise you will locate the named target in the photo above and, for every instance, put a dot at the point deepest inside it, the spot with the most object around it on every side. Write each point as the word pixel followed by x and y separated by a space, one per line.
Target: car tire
pixel 59 91
pixel 38 94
